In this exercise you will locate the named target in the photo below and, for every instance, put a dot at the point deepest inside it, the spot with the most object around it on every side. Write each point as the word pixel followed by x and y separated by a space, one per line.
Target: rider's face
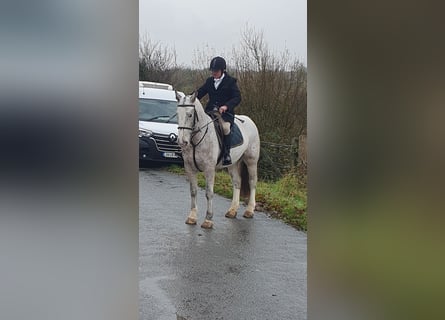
pixel 216 74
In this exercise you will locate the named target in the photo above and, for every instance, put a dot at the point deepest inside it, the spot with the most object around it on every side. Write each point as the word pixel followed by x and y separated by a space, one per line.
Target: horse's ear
pixel 178 96
pixel 193 96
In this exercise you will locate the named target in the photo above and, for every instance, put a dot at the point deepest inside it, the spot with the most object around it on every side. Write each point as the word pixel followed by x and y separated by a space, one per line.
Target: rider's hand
pixel 223 109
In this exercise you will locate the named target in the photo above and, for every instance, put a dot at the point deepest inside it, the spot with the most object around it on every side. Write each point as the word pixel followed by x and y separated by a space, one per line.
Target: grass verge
pixel 285 199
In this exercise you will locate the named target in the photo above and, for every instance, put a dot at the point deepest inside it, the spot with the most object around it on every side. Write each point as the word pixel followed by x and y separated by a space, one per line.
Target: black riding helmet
pixel 217 63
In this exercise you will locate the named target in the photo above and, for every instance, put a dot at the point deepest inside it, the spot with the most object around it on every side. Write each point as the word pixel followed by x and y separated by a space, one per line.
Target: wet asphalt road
pixel 242 269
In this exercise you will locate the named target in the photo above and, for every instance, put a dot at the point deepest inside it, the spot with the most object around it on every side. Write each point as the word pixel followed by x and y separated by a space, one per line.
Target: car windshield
pixel 157 110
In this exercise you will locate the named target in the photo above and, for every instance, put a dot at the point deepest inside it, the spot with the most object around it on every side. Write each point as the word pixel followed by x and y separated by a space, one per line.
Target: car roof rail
pixel 155 85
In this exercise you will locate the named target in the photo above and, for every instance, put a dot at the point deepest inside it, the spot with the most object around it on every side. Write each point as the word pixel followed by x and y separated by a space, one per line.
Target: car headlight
pixel 145 133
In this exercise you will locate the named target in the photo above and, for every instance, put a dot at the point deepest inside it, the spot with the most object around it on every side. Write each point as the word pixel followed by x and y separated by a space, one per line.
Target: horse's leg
pixel 252 168
pixel 210 181
pixel 192 217
pixel 236 182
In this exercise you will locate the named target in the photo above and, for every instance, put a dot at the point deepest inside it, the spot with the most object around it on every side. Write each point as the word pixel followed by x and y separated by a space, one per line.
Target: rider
pixel 224 96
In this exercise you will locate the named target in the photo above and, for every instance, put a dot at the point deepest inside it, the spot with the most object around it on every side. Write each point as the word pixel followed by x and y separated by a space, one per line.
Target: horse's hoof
pixel 207 224
pixel 248 214
pixel 231 214
pixel 191 221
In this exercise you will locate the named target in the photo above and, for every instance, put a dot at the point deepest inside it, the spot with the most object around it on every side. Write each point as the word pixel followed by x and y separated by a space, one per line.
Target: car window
pixel 157 110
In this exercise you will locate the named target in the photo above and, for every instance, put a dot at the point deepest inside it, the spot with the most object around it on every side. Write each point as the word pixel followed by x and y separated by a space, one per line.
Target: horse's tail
pixel 245 188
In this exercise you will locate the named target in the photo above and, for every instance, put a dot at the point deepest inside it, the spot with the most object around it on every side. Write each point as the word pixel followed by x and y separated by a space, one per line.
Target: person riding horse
pixel 200 148
pixel 224 96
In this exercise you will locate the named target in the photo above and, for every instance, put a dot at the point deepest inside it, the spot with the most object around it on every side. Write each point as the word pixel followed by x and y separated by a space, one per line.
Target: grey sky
pixel 190 25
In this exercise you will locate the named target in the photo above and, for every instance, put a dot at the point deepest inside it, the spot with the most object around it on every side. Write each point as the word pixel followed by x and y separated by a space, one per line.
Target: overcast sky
pixel 191 25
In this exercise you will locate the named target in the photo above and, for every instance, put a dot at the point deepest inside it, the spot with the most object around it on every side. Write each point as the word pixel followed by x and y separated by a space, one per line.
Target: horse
pixel 198 140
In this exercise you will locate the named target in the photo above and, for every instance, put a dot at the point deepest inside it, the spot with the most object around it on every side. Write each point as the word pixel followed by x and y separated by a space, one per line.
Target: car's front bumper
pixel 156 149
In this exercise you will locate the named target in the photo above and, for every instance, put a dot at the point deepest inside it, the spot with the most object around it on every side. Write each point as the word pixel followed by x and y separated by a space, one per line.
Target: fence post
pixel 302 150
pixel 293 148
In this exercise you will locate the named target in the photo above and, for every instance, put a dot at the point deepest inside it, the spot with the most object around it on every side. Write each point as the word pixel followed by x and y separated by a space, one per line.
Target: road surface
pixel 241 269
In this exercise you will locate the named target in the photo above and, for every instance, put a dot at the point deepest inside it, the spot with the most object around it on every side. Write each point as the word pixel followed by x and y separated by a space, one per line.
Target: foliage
pixel 285 198
pixel 156 62
pixel 223 183
pixel 174 168
pixel 273 88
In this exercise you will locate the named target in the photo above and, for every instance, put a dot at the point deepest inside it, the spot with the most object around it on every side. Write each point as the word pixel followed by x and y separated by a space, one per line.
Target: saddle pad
pixel 235 136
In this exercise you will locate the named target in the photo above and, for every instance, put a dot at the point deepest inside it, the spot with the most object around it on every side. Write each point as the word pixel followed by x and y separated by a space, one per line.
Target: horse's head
pixel 187 118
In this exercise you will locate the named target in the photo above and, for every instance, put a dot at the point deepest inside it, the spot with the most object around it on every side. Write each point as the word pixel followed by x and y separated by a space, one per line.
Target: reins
pixel 195 131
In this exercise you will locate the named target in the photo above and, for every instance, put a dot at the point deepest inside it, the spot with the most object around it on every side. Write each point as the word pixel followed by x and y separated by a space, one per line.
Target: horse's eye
pixel 189 115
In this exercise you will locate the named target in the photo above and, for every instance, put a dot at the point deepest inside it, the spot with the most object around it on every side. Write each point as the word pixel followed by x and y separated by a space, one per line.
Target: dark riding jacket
pixel 227 94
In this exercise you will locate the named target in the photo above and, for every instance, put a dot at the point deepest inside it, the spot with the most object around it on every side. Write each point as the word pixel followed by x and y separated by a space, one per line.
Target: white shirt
pixel 218 81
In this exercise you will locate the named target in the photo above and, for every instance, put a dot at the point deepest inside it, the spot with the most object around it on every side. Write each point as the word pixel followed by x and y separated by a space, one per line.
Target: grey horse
pixel 200 149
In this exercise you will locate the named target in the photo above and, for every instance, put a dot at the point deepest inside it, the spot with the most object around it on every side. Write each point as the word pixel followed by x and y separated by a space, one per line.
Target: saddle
pixel 236 137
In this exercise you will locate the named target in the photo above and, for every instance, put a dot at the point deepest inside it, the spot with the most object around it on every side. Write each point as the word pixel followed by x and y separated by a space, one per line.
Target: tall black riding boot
pixel 226 157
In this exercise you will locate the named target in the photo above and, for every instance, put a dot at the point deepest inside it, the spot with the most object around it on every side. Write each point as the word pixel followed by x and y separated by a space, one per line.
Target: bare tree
pixel 273 88
pixel 157 62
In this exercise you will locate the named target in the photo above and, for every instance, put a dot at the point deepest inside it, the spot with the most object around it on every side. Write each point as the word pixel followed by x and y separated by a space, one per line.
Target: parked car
pixel 158 125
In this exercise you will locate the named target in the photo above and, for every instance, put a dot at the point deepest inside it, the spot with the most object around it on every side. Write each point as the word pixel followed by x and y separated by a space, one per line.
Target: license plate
pixel 170 155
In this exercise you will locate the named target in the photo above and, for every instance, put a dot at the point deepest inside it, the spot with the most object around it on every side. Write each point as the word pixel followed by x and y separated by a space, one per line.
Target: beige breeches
pixel 225 125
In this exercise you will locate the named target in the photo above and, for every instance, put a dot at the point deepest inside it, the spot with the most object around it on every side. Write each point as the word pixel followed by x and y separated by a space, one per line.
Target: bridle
pixel 192 129
pixel 194 118
pixel 195 131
